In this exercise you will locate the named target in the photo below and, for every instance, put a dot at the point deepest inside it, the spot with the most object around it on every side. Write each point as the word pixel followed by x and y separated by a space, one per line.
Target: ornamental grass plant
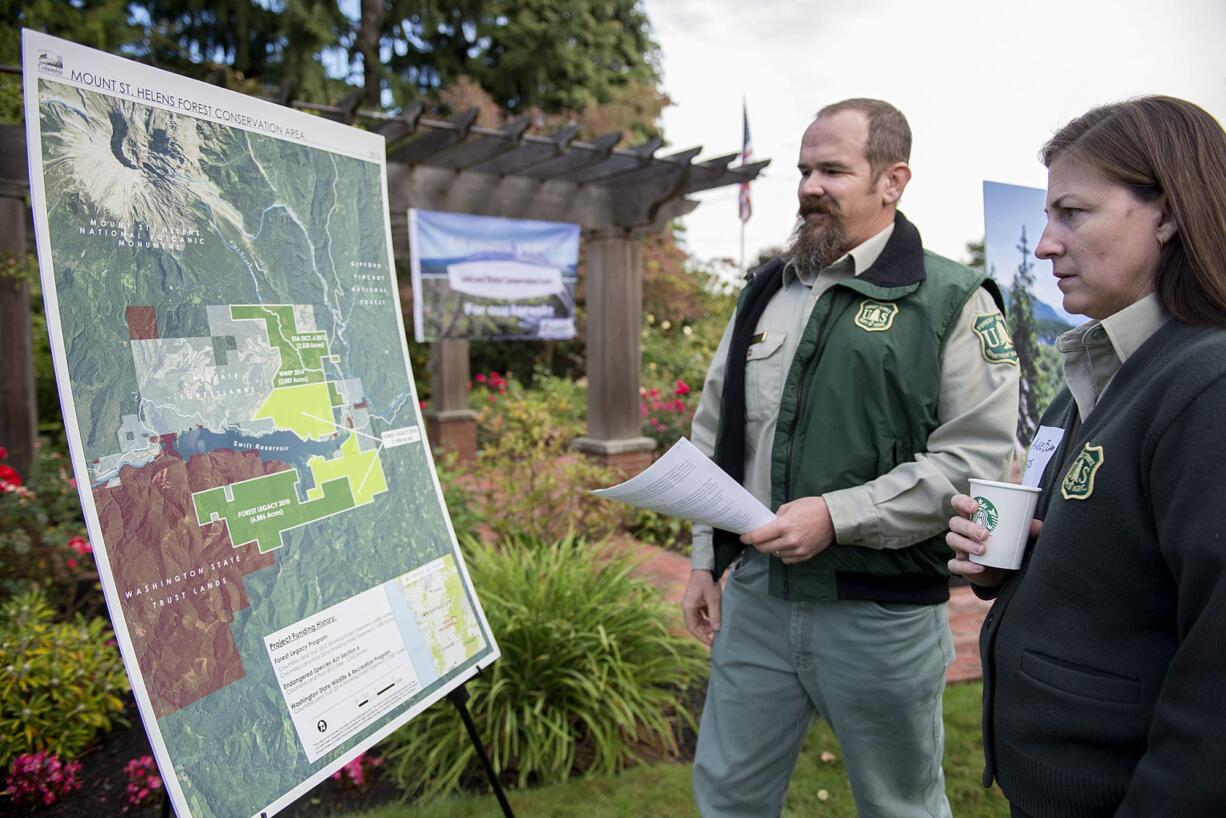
pixel 590 679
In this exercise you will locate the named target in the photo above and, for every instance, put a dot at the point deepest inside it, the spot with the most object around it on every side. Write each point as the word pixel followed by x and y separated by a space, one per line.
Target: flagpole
pixel 745 208
pixel 743 270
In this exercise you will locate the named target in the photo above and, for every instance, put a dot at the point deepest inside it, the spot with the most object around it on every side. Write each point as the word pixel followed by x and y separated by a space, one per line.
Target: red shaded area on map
pixel 142 323
pixel 179 583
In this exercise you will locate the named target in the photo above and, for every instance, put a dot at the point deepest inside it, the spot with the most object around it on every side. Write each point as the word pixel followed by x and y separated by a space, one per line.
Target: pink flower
pixel 479 377
pixel 354 773
pixel 71 563
pixel 143 780
pixel 3 452
pixel 40 778
pixel 681 388
pixel 80 545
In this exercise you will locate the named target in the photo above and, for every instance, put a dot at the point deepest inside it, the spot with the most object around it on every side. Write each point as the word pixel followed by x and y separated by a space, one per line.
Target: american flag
pixel 746 154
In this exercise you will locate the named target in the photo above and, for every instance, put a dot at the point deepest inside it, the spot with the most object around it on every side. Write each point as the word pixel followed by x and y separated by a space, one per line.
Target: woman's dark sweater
pixel 1105 655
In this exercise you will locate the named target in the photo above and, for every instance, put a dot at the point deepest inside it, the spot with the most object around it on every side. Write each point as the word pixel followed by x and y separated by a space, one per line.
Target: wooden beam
pixel 700 180
pixel 450 424
pixel 14 170
pixel 18 410
pixel 403 124
pixel 482 144
pixel 614 287
pixel 439 135
pixel 618 162
pixel 581 155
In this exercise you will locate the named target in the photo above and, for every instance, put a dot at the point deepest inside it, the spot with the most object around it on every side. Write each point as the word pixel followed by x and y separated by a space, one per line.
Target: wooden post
pixel 614 287
pixel 18 416
pixel 450 425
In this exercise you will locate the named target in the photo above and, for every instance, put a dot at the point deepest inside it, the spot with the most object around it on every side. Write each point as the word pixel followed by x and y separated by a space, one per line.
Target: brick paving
pixel 669 571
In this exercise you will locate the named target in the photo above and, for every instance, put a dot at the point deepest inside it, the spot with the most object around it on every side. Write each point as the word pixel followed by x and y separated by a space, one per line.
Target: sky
pixel 983 84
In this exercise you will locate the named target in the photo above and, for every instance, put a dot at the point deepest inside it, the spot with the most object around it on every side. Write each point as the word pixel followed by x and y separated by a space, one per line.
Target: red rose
pixel 9 478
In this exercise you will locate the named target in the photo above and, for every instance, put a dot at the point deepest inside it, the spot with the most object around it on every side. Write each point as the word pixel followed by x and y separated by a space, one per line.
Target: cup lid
pixel 1000 485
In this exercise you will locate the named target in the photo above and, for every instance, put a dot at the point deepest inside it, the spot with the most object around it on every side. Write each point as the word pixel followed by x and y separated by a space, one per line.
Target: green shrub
pixel 590 679
pixel 42 542
pixel 461 500
pixel 62 683
pixel 672 533
pixel 552 411
pixel 526 481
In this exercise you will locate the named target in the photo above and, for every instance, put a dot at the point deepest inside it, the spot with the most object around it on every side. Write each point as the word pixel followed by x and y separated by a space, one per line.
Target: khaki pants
pixel 875 672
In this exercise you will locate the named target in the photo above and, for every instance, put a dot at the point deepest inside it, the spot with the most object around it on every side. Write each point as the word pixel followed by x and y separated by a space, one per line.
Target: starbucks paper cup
pixel 1005 510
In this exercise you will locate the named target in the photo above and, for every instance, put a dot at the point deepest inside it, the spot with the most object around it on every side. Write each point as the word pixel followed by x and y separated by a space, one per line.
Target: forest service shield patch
pixel 994 340
pixel 875 316
pixel 1079 481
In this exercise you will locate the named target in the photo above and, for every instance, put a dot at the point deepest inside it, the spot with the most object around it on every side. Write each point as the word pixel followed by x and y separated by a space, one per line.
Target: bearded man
pixel 859 384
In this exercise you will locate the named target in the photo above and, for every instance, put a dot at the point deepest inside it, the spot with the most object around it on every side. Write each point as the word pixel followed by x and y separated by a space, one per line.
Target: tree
pixel 252 46
pixel 103 24
pixel 560 57
pixel 974 255
pixel 555 55
pixel 1026 342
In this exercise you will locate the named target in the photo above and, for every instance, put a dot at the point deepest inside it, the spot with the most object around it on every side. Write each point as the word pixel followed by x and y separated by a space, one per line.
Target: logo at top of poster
pixel 994 340
pixel 50 62
pixel 875 316
pixel 504 279
pixel 1079 480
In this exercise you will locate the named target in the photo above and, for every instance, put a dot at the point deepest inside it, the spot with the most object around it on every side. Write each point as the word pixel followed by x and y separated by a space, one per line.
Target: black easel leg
pixel 166 811
pixel 459 698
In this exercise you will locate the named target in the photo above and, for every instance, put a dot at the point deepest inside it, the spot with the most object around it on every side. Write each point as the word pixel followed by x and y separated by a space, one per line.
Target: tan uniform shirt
pixel 1095 351
pixel 977 416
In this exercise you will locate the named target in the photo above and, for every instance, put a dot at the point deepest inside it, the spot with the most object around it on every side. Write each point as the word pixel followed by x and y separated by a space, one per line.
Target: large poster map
pixel 277 559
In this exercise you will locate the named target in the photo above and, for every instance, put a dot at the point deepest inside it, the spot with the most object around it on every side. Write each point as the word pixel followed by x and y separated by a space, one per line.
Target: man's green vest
pixel 861 397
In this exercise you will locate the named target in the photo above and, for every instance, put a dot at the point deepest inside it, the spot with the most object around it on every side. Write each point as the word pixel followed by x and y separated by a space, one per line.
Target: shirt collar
pixel 1095 351
pixel 860 258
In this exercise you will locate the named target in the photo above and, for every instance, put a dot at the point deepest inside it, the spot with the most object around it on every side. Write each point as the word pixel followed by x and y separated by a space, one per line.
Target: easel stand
pixel 459 697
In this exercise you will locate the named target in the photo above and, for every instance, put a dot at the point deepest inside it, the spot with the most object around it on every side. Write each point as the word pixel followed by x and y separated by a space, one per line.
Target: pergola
pixel 618 197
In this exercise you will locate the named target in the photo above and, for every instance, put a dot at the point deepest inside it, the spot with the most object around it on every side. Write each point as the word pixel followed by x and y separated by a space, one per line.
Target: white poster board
pixel 281 572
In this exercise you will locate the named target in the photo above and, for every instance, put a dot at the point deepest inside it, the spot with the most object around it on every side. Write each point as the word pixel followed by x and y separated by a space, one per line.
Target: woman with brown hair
pixel 1105 654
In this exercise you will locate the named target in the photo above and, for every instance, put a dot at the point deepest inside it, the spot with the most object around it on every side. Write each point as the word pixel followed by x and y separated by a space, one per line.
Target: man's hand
pixel 700 604
pixel 801 530
pixel 967 538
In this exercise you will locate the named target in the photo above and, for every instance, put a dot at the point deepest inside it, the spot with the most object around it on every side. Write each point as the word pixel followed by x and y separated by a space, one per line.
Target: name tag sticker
pixel 1046 441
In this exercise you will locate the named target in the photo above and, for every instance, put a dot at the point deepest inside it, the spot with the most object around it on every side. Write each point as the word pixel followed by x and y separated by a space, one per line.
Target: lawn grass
pixel 819 788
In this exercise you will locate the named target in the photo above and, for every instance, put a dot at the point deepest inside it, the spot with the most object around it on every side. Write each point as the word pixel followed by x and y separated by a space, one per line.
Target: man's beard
pixel 816 245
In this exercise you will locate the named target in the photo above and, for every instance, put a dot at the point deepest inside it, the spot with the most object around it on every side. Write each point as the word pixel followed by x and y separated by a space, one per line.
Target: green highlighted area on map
pixel 300 401
pixel 361 469
pixel 302 353
pixel 304 410
pixel 260 509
